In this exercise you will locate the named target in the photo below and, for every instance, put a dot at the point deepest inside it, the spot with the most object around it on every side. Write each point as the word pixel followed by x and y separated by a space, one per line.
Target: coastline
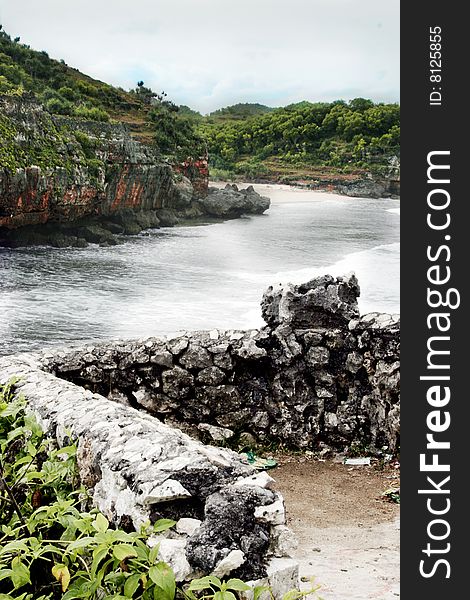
pixel 366 186
pixel 278 186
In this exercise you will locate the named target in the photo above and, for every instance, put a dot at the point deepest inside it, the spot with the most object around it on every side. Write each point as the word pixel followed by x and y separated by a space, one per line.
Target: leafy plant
pixel 50 547
pixel 393 495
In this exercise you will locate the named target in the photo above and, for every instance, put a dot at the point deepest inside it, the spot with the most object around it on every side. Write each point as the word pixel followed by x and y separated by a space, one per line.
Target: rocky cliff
pixel 68 181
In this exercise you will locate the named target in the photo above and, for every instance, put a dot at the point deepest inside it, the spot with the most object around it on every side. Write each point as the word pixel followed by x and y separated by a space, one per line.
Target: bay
pixel 198 277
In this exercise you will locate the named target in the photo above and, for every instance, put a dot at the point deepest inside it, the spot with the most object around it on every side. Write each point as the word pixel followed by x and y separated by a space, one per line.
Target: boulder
pixel 231 202
pixel 324 301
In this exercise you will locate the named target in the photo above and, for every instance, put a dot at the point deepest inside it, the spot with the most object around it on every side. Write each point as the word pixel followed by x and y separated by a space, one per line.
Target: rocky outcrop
pixel 232 202
pixel 61 176
pixel 382 187
pixel 318 374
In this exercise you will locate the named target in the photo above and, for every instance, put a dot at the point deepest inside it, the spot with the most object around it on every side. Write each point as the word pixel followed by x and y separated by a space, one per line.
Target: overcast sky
pixel 212 53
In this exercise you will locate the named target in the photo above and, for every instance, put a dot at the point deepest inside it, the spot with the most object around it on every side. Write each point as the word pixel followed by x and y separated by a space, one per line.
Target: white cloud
pixel 210 53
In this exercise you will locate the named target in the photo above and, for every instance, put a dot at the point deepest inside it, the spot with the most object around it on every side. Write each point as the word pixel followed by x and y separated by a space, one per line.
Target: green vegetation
pixel 175 132
pixel 151 117
pixel 239 112
pixel 63 90
pixel 52 548
pixel 49 145
pixel 345 136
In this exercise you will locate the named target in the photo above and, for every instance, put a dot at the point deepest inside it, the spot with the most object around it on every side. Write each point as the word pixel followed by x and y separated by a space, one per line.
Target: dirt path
pixel 348 534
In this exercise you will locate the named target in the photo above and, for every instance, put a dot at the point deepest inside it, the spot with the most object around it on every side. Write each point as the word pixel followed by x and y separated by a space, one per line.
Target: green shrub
pixel 68 93
pixel 49 547
pixel 91 113
pixel 58 106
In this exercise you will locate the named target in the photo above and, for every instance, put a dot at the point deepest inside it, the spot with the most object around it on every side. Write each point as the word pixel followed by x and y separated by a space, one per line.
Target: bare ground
pixel 348 533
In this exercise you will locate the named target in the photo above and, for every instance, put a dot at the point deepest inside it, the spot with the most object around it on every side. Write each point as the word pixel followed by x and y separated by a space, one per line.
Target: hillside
pixel 150 118
pixel 316 144
pixel 238 112
pixel 305 141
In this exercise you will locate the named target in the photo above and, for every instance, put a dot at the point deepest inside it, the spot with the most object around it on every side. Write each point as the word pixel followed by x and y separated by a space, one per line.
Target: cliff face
pixel 59 169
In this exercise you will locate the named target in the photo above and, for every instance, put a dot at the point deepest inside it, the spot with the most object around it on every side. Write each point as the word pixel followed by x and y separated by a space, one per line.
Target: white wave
pixel 378 271
pixel 395 211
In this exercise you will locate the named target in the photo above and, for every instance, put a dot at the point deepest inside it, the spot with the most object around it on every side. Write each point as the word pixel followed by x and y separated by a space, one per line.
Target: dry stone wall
pixel 317 374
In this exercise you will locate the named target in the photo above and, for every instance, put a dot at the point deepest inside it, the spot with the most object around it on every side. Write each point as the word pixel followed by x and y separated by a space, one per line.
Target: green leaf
pixel 4 573
pixel 215 581
pixel 238 585
pixel 163 525
pixel 62 574
pixel 15 546
pixel 98 555
pixel 123 551
pixel 203 583
pixel 260 589
pixel 65 450
pixel 20 575
pixel 153 554
pixel 81 543
pixel 101 523
pixel 164 579
pixel 131 585
pixel 224 596
pixel 118 535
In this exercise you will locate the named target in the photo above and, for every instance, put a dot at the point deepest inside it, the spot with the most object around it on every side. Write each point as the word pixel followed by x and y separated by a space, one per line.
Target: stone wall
pixel 318 374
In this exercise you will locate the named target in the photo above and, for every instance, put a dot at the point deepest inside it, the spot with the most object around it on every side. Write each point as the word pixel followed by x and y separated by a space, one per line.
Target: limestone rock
pixel 261 479
pixel 325 301
pixel 272 513
pixel 284 542
pixel 173 553
pixel 230 524
pixel 233 560
pixel 187 526
pixel 218 434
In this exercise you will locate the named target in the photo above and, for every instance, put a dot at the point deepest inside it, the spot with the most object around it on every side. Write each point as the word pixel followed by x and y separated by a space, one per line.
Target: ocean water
pixel 199 277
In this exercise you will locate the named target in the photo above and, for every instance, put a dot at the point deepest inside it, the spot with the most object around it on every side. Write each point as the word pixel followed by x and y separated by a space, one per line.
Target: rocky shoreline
pixel 356 184
pixel 364 187
pixel 109 230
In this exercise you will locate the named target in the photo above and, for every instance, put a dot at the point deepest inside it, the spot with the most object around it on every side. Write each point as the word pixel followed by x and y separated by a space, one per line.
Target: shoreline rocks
pixel 232 202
